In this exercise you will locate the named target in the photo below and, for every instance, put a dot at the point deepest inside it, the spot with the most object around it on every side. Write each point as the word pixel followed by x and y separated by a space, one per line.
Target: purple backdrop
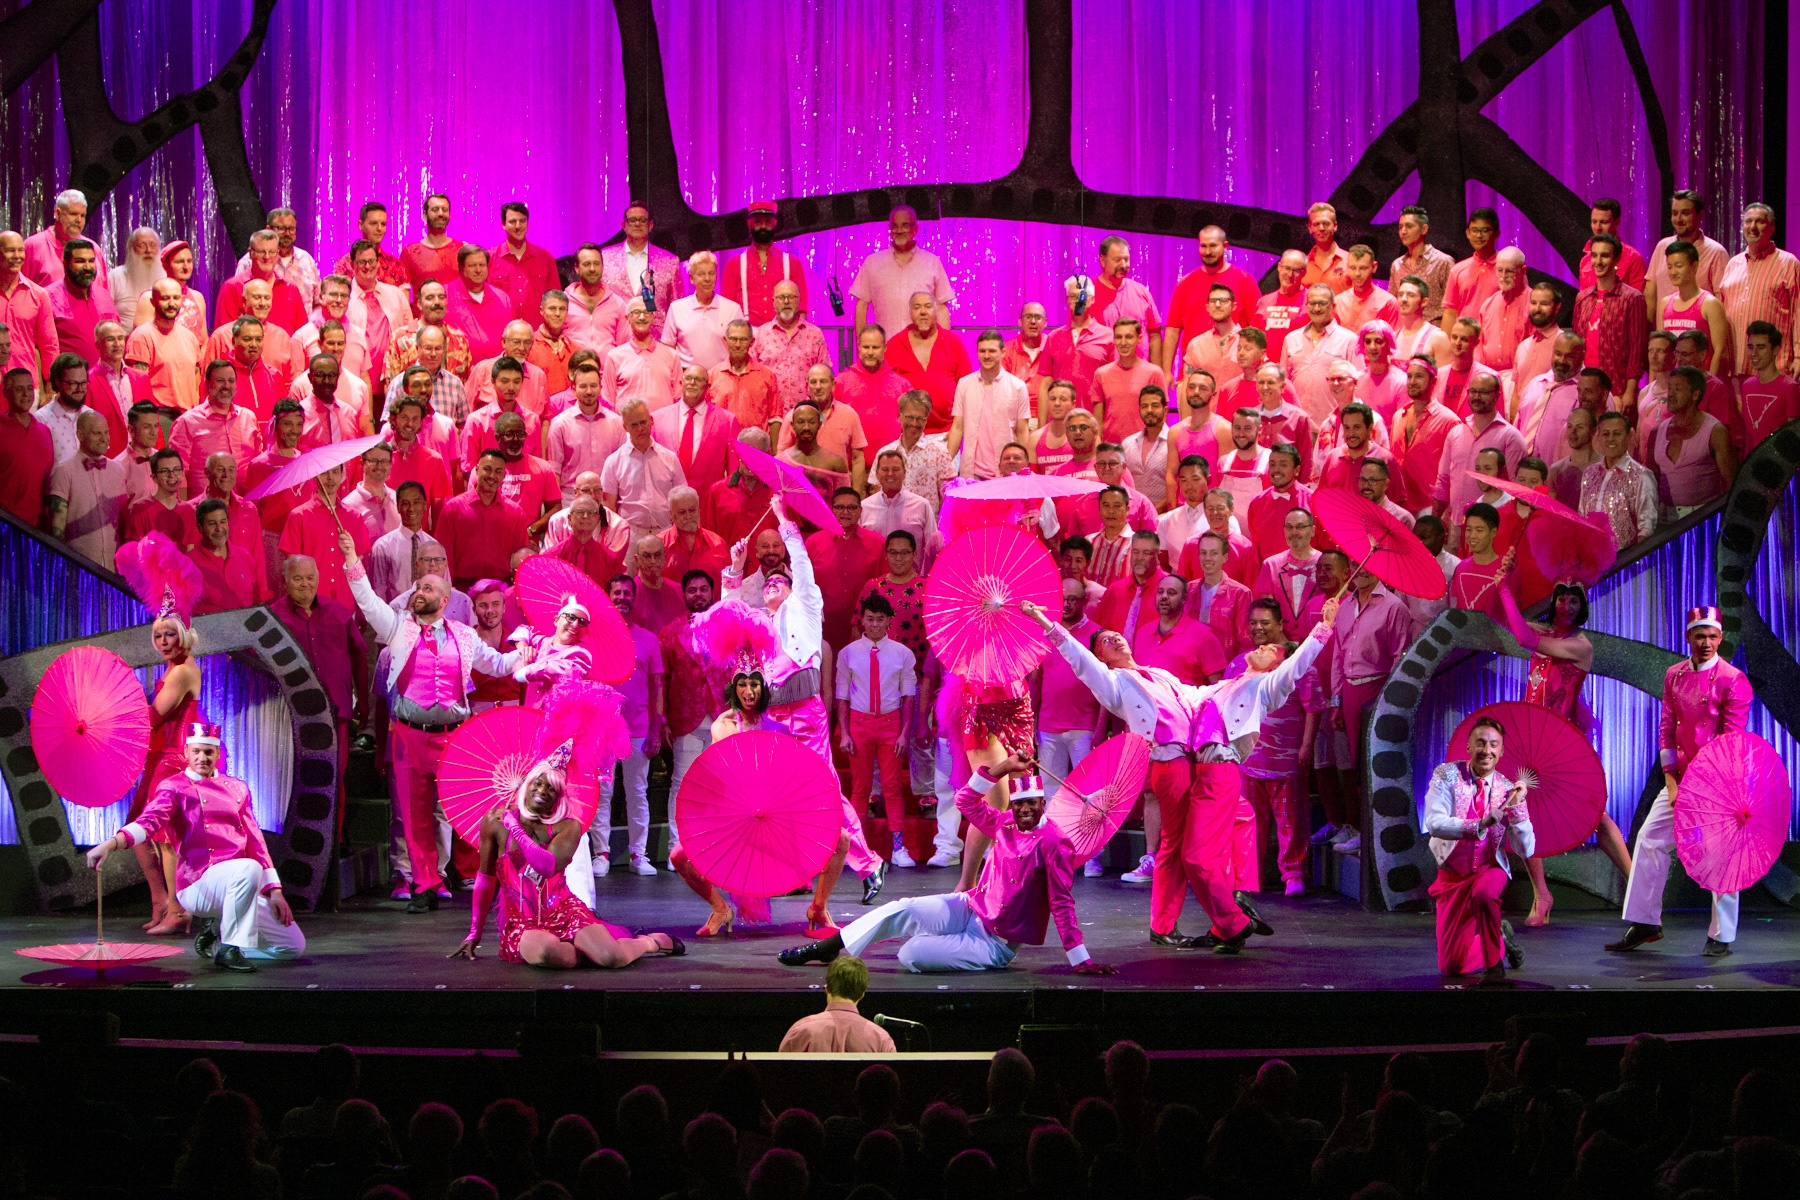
pixel 353 101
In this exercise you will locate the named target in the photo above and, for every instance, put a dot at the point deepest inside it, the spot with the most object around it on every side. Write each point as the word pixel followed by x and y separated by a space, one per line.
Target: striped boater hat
pixel 1023 787
pixel 1704 616
pixel 203 733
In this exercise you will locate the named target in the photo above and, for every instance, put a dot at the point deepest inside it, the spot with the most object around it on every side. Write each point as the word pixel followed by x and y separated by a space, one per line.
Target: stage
pixel 1332 976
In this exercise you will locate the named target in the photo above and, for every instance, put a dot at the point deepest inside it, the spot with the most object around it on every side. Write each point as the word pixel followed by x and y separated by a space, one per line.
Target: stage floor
pixel 1329 969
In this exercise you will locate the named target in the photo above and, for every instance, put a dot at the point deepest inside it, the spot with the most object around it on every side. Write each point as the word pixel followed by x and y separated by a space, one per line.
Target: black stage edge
pixel 1332 976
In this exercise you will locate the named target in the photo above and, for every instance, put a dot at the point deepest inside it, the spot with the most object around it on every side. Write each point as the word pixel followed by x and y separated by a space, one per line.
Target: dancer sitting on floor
pixel 223 867
pixel 524 848
pixel 1474 814
pixel 1025 885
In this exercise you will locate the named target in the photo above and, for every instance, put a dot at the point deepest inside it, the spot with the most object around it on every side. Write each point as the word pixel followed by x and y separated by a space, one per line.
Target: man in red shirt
pixel 1604 217
pixel 1326 262
pixel 1178 643
pixel 1267 516
pixel 1188 310
pixel 1473 279
pixel 1019 357
pixel 1078 349
pixel 414 462
pixel 288 310
pixel 434 255
pixel 844 559
pixel 26 451
pixel 479 529
pixel 529 482
pixel 1284 309
pixel 313 529
pixel 750 278
pixel 873 388
pixel 522 271
pixel 1454 379
pixel 748 390
pixel 739 502
pixel 161 510
pixel 931 358
pixel 1612 316
pixel 686 545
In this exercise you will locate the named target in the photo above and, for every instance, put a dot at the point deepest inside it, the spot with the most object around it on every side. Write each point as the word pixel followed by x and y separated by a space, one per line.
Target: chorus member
pixel 1129 604
pixel 404 343
pixel 1604 218
pixel 872 387
pixel 928 467
pixel 745 388
pixel 289 306
pixel 1178 642
pixel 1112 541
pixel 844 560
pixel 414 461
pixel 695 325
pixel 1186 519
pixel 434 256
pixel 551 345
pixel 165 350
pixel 1478 578
pixel 1326 261
pixel 1283 310
pixel 1019 357
pixel 293 264
pixel 222 484
pixel 1455 376
pixel 507 382
pixel 1070 719
pixel 230 576
pixel 529 482
pixel 313 529
pixel 1473 279
pixel 1382 383
pixel 1291 575
pixel 1309 349
pixel 329 635
pixel 133 277
pixel 1146 451
pixel 644 694
pixel 1769 399
pixel 641 369
pixel 826 469
pixel 258 386
pixel 1081 514
pixel 46 251
pixel 638 477
pixel 1541 405
pixel 634 266
pixel 1505 317
pixel 447 395
pixel 1618 485
pixel 1118 297
pixel 1686 306
pixel 1364 300
pixel 79 300
pixel 1612 316
pixel 534 390
pixel 85 495
pixel 68 400
pixel 1566 472
pixel 1342 466
pixel 1340 384
pixel 158 512
pixel 692 697
pixel 371 501
pixel 328 418
pixel 932 359
pixel 582 437
pixel 686 545
pixel 1244 473
pixel 1202 431
pixel 1483 428
pixel 891 507
pixel 1191 310
pixel 178 265
pixel 1277 773
pixel 596 550
pixel 888 280
pixel 1078 349
pixel 1413 333
pixel 144 421
pixel 750 279
pixel 1423 260
pixel 840 433
pixel 1687 211
pixel 596 315
pixel 1373 632
pixel 477 307
pixel 1717 397
pixel 771 557
pixel 1690 451
pixel 1538 341
pixel 114 388
pixel 1266 517
pixel 657 597
pixel 1214 598
pixel 1214 348
pixel 1474 815
pixel 391 555
pixel 734 507
pixel 219 426
pixel 371 225
pixel 1704 697
pixel 480 528
pixel 1433 533
pixel 520 270
pixel 224 870
pixel 990 409
pixel 429 559
pixel 374 301
pixel 876 678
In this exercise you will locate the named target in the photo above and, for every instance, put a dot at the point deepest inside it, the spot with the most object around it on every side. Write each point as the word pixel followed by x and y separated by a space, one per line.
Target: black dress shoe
pixel 873 884
pixel 1257 925
pixel 822 951
pixel 1515 954
pixel 676 949
pixel 1233 944
pixel 230 958
pixel 425 901
pixel 1716 949
pixel 1181 941
pixel 1636 935
pixel 207 940
pixel 1494 977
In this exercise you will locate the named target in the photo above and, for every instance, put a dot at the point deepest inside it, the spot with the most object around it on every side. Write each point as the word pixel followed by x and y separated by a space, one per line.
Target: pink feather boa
pixel 591 714
pixel 731 628
pixel 155 567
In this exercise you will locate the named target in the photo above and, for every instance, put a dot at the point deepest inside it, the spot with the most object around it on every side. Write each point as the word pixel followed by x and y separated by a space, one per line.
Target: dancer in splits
pixel 1198 736
pixel 524 850
pixel 1025 886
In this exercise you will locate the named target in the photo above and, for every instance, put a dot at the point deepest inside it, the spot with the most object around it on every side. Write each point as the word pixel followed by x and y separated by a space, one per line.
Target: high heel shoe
pixel 819 924
pixel 1537 918
pixel 717 925
pixel 157 913
pixel 173 925
pixel 676 949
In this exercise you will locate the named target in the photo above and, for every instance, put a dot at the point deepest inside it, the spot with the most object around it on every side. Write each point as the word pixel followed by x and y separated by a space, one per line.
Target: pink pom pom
pixel 732 628
pixel 1567 551
pixel 161 575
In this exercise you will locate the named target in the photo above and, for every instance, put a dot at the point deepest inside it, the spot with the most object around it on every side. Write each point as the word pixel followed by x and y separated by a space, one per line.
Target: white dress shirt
pixel 390 560
pixel 897 671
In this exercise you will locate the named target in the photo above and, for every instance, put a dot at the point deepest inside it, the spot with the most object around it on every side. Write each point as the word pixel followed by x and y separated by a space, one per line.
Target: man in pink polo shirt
pixel 1506 316
pixel 1076 350
pixel 1473 279
pixel 596 317
pixel 1482 429
pixel 1605 217
pixel 479 529
pixel 1532 357
pixel 1113 397
pixel 288 310
pixel 583 436
pixel 1364 300
pixel 79 301
pixel 522 271
pixel 215 426
pixel 749 279
pixel 1190 311
pixel 1117 296
pixel 642 368
pixel 1310 349
pixel 991 409
pixel 44 250
pixel 433 256
pixel 1326 262
pixel 886 281
pixel 1176 642
pixel 1454 379
pixel 695 328
pixel 476 306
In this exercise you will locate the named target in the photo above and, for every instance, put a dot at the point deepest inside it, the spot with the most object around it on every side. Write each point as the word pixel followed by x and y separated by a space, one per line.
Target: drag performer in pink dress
pixel 524 850
pixel 1561 657
pixel 1474 815
pixel 223 867
pixel 1025 885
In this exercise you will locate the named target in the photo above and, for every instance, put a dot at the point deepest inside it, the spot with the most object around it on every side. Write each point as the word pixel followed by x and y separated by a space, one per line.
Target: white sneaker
pixel 1344 833
pixel 1092 868
pixel 940 859
pixel 1324 834
pixel 641 865
pixel 1350 845
pixel 898 857
pixel 1146 869
pixel 602 864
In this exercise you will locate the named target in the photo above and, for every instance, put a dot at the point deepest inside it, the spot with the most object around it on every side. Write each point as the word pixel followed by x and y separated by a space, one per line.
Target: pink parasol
pixel 1028 485
pixel 1543 501
pixel 99 954
pixel 487 758
pixel 312 464
pixel 545 583
pixel 591 716
pixel 972 601
pixel 90 726
pixel 1731 812
pixel 791 484
pixel 1376 541
pixel 759 813
pixel 1563 775
pixel 1581 550
pixel 1099 793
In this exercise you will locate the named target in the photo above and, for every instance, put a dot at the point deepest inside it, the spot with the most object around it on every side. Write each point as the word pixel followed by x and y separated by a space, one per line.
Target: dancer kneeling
pixel 1474 815
pixel 542 923
pixel 1025 885
pixel 222 868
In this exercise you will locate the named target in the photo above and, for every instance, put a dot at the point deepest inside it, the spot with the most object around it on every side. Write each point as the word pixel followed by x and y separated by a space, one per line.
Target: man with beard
pixel 596 318
pixel 771 558
pixel 166 350
pixel 78 302
pixel 751 277
pixel 432 257
pixel 1532 358
pixel 327 632
pixel 404 349
pixel 529 482
pixel 133 277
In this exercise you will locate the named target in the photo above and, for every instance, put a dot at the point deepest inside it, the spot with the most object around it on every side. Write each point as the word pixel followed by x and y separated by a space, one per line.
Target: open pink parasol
pixel 1543 501
pixel 99 954
pixel 1376 541
pixel 487 758
pixel 545 583
pixel 759 813
pixel 90 726
pixel 791 484
pixel 591 716
pixel 972 602
pixel 1565 781
pixel 1731 812
pixel 1099 793
pixel 312 464
pixel 1028 485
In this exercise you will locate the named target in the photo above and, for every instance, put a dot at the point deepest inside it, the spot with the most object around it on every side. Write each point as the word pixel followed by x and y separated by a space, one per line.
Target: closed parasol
pixel 1731 812
pixel 972 602
pixel 1376 541
pixel 1099 793
pixel 545 583
pixel 759 813
pixel 1027 485
pixel 90 726
pixel 1565 782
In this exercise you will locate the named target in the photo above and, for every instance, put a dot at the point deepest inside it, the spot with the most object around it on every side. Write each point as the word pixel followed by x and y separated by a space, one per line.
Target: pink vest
pixel 406 640
pixel 1693 478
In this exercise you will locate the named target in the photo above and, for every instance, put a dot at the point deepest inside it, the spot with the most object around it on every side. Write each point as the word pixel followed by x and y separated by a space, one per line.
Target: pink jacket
pixel 1027 879
pixel 211 821
pixel 1699 706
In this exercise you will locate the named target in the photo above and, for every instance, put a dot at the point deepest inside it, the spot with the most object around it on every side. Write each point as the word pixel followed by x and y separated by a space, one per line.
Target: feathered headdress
pixel 164 578
pixel 733 635
pixel 587 719
pixel 1567 550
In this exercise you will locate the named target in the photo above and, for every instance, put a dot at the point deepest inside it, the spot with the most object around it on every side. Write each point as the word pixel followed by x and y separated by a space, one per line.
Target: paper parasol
pixel 1027 485
pixel 483 765
pixel 759 813
pixel 1542 501
pixel 312 464
pixel 791 484
pixel 1731 812
pixel 1099 793
pixel 590 715
pixel 90 727
pixel 972 600
pixel 99 954
pixel 545 582
pixel 1567 784
pixel 1377 541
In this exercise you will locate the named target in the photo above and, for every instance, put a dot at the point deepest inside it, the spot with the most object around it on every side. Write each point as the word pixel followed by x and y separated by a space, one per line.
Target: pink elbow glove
pixel 483 899
pixel 539 858
pixel 1515 621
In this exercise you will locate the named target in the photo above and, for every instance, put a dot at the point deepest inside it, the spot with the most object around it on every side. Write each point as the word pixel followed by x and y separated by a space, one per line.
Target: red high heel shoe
pixel 819 925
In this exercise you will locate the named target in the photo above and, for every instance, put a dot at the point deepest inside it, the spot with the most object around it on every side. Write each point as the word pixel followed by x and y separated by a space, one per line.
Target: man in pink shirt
pixel 1484 428
pixel 641 369
pixel 216 426
pixel 1077 350
pixel 1372 483
pixel 521 271
pixel 1768 398
pixel 1022 353
pixel 288 309
pixel 313 529
pixel 371 500
pixel 1216 598
pixel 1419 433
pixel 746 389
pixel 873 388
pixel 529 481
pixel 695 326
pixel 1762 284
pixel 144 422
pixel 596 316
pixel 534 386
pixel 659 598
pixel 46 249
pixel 415 461
pixel 507 381
pixel 86 494
pixel 1363 301
pixel 1176 642
pixel 1214 348
pixel 700 432
pixel 160 511
pixel 886 281
pixel 433 256
pixel 165 350
pixel 640 474
pixel 476 306
pixel 1113 397
pixel 840 1028
pixel 1281 420
pixel 79 301
pixel 1326 261
pixel 1686 211
pixel 1310 349
pixel 1472 280
pixel 1284 310
pixel 1081 514
pixel 26 313
pixel 328 418
pixel 1455 376
pixel 1542 404
pixel 479 529
pixel 991 409
pixel 1191 309
pixel 1373 630
pixel 749 280
pixel 1532 357
pixel 1341 467
pixel 1505 316
pixel 840 429
pixel 1382 383
pixel 1604 217
pixel 1118 297
pixel 790 346
pixel 258 387
pixel 114 388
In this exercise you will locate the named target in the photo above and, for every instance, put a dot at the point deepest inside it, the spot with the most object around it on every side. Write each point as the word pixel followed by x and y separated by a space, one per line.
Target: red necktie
pixel 874 679
pixel 689 436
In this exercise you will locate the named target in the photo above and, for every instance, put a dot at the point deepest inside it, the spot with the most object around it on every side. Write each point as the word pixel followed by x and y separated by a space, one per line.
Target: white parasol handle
pixel 1063 783
pixel 100 905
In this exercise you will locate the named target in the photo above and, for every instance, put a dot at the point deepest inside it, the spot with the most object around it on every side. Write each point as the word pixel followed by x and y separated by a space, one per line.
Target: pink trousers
pixel 1279 806
pixel 1468 919
pixel 1199 803
pixel 416 757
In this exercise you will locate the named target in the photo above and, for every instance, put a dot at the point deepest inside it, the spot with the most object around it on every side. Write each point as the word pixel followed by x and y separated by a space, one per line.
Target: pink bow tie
pixel 94 464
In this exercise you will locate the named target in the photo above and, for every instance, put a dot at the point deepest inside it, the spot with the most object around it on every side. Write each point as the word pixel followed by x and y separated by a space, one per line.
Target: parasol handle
pixel 1373 547
pixel 1063 783
pixel 100 904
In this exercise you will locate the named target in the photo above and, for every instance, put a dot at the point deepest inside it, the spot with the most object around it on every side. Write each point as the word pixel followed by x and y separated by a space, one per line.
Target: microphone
pixel 910 1028
pixel 1083 289
pixel 836 295
pixel 649 292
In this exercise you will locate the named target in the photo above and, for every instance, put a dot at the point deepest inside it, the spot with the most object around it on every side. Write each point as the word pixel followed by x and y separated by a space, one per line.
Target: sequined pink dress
pixel 528 901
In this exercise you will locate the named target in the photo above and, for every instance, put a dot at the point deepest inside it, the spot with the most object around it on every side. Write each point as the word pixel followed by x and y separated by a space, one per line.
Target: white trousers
pixel 232 892
pixel 636 772
pixel 1061 751
pixel 948 839
pixel 942 934
pixel 687 748
pixel 1650 872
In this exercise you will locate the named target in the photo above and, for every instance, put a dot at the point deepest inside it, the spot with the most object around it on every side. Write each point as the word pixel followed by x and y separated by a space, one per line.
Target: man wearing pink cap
pixel 223 868
pixel 1704 697
pixel 749 279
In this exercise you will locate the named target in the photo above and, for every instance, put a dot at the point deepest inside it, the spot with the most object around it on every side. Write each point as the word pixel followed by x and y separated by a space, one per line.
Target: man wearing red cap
pixel 1704 697
pixel 750 278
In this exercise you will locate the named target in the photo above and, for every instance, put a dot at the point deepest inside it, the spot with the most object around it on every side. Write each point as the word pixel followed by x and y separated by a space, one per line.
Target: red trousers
pixel 1280 809
pixel 416 757
pixel 1199 803
pixel 874 738
pixel 1355 701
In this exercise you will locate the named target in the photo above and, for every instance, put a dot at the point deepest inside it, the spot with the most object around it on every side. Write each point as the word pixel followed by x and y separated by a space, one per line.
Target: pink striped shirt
pixel 1762 289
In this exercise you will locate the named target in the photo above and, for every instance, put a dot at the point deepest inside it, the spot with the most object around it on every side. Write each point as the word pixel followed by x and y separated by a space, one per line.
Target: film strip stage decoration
pixel 302 850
